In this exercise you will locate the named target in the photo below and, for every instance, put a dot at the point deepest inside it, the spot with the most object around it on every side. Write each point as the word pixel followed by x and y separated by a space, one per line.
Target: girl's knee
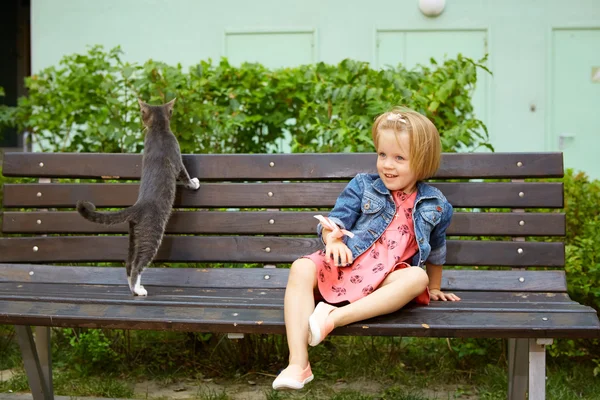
pixel 303 269
pixel 421 279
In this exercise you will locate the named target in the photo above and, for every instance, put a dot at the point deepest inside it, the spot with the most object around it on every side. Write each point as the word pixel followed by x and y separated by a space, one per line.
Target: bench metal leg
pixel 537 368
pixel 527 368
pixel 43 346
pixel 518 364
pixel 37 359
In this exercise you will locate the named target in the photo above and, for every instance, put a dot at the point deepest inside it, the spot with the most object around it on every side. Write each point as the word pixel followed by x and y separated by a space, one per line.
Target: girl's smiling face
pixel 393 165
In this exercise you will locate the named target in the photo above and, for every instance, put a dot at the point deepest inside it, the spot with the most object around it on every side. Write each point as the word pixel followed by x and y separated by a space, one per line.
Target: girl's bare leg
pixel 299 303
pixel 397 290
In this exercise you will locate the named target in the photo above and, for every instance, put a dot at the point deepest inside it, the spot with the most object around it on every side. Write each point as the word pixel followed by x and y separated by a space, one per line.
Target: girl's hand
pixel 336 250
pixel 437 294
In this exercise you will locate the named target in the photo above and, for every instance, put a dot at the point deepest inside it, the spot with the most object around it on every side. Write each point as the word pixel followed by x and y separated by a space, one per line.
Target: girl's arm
pixel 437 258
pixel 347 207
pixel 435 284
pixel 344 214
pixel 336 249
pixel 437 239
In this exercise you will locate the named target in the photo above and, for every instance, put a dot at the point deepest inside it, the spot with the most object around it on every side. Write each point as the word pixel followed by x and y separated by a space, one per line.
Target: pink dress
pixel 393 250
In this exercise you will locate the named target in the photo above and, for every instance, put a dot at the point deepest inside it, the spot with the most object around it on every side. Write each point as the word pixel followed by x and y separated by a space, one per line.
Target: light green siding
pixel 272 48
pixel 575 94
pixel 522 104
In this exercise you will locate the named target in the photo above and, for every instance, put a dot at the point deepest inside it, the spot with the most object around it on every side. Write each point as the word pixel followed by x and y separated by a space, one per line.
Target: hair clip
pixel 396 117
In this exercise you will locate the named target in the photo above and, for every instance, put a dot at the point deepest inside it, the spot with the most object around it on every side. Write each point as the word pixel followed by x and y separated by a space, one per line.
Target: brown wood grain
pixel 279 222
pixel 249 249
pixel 188 296
pixel 276 195
pixel 269 278
pixel 411 321
pixel 253 302
pixel 506 303
pixel 278 166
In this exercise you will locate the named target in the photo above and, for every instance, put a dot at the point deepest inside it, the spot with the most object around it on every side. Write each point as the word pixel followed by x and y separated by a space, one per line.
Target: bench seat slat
pixel 254 278
pixel 265 297
pixel 242 249
pixel 227 298
pixel 302 223
pixel 284 195
pixel 411 321
pixel 286 166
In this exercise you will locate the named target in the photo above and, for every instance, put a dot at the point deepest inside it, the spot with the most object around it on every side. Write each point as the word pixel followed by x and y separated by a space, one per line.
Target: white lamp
pixel 432 8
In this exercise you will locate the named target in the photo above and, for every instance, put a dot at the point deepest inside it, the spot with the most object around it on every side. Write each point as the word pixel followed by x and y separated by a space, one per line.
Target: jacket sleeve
pixel 347 207
pixel 437 240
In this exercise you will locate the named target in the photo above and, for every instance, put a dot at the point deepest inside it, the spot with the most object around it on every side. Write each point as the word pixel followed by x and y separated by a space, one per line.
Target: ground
pixel 258 387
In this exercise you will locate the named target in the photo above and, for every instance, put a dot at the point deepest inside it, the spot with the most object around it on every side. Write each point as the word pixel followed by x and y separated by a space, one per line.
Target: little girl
pixel 380 226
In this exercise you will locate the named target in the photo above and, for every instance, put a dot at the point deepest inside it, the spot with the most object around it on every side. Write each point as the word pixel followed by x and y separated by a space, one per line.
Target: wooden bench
pixel 246 212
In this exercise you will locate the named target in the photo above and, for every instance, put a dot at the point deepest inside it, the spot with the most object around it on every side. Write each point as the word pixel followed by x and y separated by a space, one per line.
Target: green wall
pixel 543 95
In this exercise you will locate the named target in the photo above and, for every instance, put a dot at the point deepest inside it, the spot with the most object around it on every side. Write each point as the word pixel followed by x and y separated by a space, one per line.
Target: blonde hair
pixel 425 145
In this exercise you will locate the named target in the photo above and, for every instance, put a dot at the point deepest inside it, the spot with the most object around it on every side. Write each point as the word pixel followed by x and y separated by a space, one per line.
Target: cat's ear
pixel 170 105
pixel 143 106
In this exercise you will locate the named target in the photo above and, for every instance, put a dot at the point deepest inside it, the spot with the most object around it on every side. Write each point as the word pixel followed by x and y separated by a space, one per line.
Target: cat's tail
pixel 88 211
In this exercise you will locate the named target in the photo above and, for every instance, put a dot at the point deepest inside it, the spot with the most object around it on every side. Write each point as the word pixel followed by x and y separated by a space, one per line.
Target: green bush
pixel 582 254
pixel 6 115
pixel 88 104
pixel 90 349
pixel 582 209
pixel 1 197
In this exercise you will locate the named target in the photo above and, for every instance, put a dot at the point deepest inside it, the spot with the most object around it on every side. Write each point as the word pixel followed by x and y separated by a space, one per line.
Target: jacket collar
pixel 380 186
pixel 425 191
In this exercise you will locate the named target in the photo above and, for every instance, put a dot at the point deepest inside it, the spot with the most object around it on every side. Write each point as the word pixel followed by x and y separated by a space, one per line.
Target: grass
pixel 9 351
pixel 346 368
pixel 573 382
pixel 69 384
pixel 391 394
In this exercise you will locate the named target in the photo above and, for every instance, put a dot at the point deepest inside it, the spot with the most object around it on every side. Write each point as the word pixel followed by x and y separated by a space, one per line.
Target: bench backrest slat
pixel 277 195
pixel 280 223
pixel 246 210
pixel 267 249
pixel 285 166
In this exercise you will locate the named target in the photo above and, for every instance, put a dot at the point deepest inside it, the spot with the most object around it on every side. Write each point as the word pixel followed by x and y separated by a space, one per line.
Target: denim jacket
pixel 366 208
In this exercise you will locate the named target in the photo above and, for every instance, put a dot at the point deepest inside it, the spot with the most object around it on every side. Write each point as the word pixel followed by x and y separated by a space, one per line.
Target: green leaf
pixel 433 106
pixel 445 90
pixel 127 71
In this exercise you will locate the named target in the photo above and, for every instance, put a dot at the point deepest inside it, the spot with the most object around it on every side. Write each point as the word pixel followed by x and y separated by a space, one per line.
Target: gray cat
pixel 162 166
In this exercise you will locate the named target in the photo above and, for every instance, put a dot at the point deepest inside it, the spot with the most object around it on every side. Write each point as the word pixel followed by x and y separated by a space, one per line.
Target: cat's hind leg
pixel 130 254
pixel 147 244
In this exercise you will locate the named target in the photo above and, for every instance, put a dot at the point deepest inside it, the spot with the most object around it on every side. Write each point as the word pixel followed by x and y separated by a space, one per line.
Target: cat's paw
pixel 139 290
pixel 194 184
